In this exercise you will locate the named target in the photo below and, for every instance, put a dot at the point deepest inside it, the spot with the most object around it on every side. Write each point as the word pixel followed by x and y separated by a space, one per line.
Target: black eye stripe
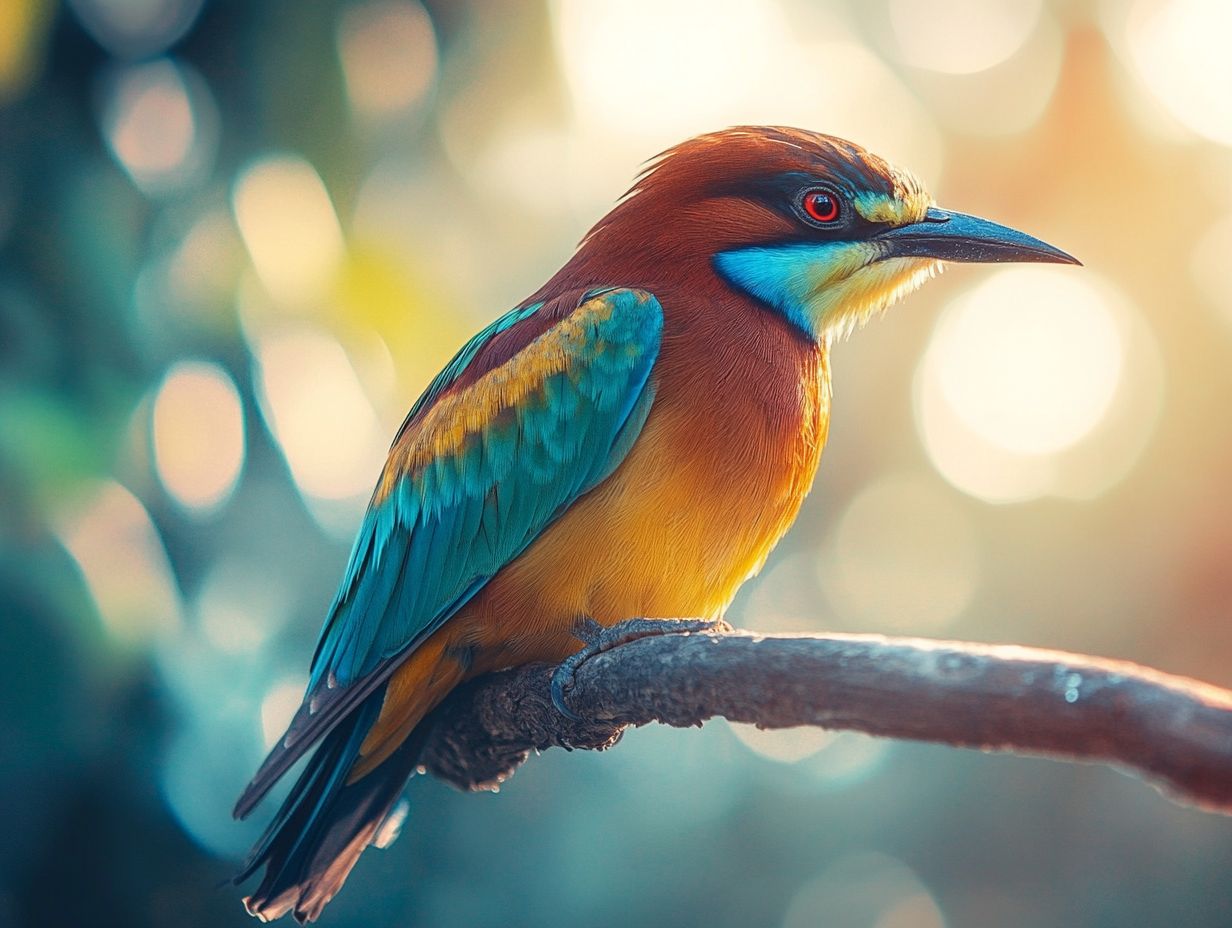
pixel 784 194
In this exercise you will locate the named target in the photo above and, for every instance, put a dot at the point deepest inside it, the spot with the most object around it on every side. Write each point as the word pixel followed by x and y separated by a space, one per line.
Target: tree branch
pixel 1172 731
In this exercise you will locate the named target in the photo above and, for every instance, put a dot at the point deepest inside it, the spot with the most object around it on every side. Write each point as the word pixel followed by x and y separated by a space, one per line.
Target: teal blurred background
pixel 237 239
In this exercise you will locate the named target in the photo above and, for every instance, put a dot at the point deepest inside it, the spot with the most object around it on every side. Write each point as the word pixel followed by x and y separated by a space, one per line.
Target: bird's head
pixel 811 226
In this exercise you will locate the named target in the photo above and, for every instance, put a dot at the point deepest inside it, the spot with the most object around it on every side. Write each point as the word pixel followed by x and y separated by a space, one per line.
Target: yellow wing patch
pixel 455 417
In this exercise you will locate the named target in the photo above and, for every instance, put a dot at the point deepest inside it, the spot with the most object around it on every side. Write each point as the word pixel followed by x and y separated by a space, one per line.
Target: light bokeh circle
pixel 1025 387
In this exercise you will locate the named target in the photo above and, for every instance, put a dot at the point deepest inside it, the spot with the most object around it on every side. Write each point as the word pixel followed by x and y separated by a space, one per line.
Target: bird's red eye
pixel 821 206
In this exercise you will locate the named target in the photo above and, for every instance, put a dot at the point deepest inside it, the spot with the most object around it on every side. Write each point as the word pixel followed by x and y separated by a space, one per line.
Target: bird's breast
pixel 712 483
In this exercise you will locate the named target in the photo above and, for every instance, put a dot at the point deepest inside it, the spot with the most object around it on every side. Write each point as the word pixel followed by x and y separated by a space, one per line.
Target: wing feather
pixel 477 472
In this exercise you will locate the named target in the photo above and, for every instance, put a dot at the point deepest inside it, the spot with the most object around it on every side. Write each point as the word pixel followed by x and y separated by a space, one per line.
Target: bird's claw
pixel 597 638
pixel 564 674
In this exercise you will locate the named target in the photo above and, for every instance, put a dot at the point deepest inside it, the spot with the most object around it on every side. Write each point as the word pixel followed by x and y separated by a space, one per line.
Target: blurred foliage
pixel 237 239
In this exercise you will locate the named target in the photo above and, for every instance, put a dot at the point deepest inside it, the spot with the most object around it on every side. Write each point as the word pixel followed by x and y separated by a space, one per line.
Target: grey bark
pixel 1173 732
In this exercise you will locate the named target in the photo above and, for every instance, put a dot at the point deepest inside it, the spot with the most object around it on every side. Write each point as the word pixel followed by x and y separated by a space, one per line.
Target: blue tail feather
pixel 325 823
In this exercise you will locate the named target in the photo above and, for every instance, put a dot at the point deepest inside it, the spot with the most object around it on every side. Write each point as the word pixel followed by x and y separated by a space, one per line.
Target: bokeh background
pixel 237 239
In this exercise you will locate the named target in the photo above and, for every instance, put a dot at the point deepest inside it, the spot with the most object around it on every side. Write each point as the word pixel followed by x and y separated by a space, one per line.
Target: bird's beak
pixel 949 236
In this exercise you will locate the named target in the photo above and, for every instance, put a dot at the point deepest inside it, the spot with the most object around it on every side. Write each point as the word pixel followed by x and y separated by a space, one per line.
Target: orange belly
pixel 671 534
pixel 692 512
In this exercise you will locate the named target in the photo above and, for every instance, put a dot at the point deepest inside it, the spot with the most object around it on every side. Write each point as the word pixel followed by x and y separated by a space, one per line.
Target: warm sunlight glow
pixel 388 52
pixel 1028 360
pixel 204 265
pixel 865 888
pixel 849 758
pixel 151 127
pixel 697 59
pixel 198 434
pixel 961 36
pixel 784 745
pixel 1180 50
pixel 1209 266
pixel 1008 97
pixel 902 557
pixel 125 565
pixel 1022 391
pixel 278 707
pixel 705 65
pixel 289 226
pixel 919 910
pixel 324 423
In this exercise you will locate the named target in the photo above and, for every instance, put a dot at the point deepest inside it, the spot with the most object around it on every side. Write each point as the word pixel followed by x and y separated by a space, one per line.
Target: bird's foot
pixel 598 638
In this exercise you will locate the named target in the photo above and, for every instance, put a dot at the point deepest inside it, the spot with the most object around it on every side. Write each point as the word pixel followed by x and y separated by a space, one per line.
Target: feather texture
pixel 600 355
pixel 420 555
pixel 631 441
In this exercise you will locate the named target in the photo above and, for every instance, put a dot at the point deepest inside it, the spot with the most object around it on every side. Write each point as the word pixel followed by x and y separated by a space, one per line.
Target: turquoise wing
pixel 477 472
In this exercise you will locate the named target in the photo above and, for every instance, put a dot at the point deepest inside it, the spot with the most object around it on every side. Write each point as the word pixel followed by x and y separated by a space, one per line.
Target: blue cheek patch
pixel 783 277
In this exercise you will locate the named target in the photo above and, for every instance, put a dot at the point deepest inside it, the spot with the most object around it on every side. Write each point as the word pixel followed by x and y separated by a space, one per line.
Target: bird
pixel 630 441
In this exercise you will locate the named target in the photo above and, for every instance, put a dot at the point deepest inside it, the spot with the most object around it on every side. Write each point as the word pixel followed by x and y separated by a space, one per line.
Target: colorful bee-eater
pixel 630 441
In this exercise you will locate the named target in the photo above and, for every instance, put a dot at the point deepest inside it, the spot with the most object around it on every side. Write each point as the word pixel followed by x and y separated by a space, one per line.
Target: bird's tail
pixel 326 822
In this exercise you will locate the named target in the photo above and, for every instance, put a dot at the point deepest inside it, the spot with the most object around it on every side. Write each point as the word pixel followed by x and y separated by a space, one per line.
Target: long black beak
pixel 958 237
